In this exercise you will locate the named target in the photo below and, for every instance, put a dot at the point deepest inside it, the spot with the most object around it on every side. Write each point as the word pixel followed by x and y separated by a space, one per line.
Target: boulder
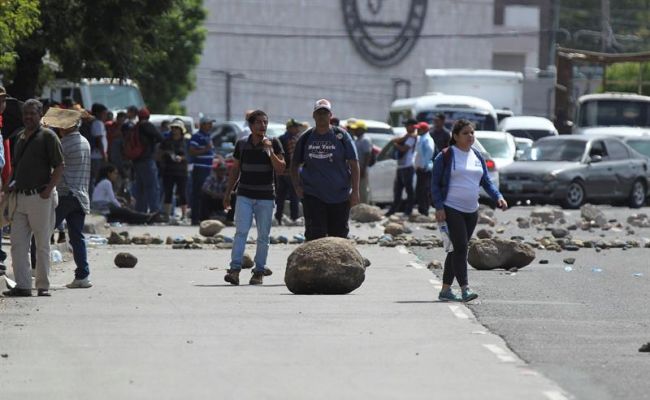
pixel 486 254
pixel 116 238
pixel 395 229
pixel 589 212
pixel 560 233
pixel 484 234
pixel 210 227
pixel 486 218
pixel 421 219
pixel 142 239
pixel 547 215
pixel 329 265
pixel 366 213
pixel 125 260
pixel 247 261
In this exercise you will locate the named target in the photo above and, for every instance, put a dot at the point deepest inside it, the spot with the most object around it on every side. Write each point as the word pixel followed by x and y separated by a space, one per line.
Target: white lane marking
pixel 500 353
pixel 416 265
pixel 436 283
pixel 552 395
pixel 402 249
pixel 458 312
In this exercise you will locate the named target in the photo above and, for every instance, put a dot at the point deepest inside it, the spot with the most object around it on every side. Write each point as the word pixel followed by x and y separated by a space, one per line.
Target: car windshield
pixel 116 97
pixel 614 113
pixel 498 148
pixel 557 150
pixel 533 134
pixel 641 146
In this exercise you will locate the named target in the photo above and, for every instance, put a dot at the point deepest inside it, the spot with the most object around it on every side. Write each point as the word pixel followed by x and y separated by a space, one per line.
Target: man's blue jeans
pixel 246 209
pixel 147 196
pixel 70 209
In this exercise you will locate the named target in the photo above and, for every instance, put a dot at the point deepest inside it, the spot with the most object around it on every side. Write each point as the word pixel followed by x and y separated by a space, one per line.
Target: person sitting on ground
pixel 105 202
pixel 213 191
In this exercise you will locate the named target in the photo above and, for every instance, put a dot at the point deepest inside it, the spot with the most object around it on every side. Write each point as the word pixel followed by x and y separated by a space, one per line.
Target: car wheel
pixel 575 195
pixel 637 195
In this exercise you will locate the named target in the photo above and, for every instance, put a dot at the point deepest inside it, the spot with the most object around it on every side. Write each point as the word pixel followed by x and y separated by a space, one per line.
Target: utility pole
pixel 605 26
pixel 555 27
pixel 229 76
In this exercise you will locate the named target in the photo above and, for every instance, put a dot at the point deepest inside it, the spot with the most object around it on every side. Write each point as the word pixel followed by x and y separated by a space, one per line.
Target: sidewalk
pixel 171 328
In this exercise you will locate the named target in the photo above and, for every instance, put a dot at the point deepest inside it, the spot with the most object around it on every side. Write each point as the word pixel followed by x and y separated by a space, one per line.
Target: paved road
pixel 581 328
pixel 171 328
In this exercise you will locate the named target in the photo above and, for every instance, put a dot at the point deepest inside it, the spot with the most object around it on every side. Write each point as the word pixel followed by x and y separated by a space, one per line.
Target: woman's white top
pixel 104 194
pixel 464 181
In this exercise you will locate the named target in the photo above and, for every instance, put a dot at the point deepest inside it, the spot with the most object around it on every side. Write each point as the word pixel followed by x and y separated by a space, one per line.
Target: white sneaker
pixel 80 284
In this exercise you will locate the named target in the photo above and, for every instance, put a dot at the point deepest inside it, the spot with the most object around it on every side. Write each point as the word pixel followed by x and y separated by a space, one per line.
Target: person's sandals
pixel 232 277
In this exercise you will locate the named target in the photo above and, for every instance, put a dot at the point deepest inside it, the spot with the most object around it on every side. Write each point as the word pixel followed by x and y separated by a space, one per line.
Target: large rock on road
pixel 366 213
pixel 486 254
pixel 325 266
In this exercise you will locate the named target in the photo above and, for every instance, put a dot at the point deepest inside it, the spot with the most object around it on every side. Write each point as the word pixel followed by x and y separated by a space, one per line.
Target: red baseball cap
pixel 422 125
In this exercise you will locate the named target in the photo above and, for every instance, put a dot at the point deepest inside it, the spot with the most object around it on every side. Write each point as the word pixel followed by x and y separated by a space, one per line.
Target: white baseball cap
pixel 323 103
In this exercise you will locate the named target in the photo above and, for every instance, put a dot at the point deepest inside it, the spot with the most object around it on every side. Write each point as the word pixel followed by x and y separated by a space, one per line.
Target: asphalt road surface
pixel 582 327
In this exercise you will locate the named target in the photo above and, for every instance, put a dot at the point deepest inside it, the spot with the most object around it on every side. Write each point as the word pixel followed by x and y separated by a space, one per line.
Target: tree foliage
pixel 18 19
pixel 629 77
pixel 154 42
pixel 580 25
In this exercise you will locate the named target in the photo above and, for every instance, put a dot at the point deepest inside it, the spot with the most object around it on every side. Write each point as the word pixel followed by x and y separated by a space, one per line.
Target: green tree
pixel 137 39
pixel 18 19
pixel 629 77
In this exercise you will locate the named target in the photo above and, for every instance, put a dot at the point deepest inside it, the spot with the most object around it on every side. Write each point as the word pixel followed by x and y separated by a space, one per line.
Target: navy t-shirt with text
pixel 325 172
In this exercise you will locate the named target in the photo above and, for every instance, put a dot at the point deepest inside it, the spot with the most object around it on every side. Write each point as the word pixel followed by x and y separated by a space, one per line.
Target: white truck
pixel 618 114
pixel 113 93
pixel 503 89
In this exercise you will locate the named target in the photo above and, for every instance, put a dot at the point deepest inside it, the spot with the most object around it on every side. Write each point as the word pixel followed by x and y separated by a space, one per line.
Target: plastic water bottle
pixel 444 235
pixel 56 256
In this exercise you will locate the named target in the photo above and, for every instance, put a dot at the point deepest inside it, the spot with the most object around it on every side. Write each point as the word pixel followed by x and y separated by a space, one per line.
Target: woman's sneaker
pixel 469 295
pixel 448 295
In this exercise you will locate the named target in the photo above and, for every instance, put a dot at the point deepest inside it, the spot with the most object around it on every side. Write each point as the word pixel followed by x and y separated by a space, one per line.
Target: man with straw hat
pixel 74 202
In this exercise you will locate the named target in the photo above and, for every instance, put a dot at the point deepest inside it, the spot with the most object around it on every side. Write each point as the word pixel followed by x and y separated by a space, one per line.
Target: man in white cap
pixel 328 182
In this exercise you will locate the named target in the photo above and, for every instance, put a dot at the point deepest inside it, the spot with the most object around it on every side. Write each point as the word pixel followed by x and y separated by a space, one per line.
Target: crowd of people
pixel 66 162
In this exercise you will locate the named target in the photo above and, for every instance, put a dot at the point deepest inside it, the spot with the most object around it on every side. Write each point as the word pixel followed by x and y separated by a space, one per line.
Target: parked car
pixel 382 174
pixel 500 145
pixel 157 120
pixel 523 146
pixel 528 127
pixel 224 134
pixel 571 170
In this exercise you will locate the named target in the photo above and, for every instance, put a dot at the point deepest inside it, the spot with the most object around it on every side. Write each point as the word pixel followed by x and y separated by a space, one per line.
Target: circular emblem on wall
pixel 384 31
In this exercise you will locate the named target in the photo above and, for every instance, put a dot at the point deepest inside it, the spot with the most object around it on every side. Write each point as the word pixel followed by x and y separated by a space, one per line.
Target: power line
pixel 491 35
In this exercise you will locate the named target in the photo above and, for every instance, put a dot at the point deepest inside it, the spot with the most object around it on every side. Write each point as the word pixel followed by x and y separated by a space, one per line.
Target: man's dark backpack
pixel 133 148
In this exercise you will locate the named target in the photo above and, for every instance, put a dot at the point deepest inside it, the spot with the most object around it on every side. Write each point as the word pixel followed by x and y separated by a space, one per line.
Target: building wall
pixel 285 74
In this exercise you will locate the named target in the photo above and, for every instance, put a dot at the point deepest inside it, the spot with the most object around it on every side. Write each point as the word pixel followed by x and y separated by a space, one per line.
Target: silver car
pixel 573 169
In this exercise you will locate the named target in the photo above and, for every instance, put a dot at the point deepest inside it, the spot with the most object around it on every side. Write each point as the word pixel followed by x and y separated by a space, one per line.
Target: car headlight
pixel 549 177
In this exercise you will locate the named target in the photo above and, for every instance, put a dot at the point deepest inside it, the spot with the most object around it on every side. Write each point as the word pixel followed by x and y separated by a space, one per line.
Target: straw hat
pixel 61 118
pixel 178 124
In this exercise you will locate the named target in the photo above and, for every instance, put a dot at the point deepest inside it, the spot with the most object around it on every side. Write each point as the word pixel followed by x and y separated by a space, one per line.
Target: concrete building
pixel 282 55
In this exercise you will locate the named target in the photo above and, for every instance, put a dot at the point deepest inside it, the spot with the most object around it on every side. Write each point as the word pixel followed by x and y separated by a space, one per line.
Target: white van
pixel 425 108
pixel 115 94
